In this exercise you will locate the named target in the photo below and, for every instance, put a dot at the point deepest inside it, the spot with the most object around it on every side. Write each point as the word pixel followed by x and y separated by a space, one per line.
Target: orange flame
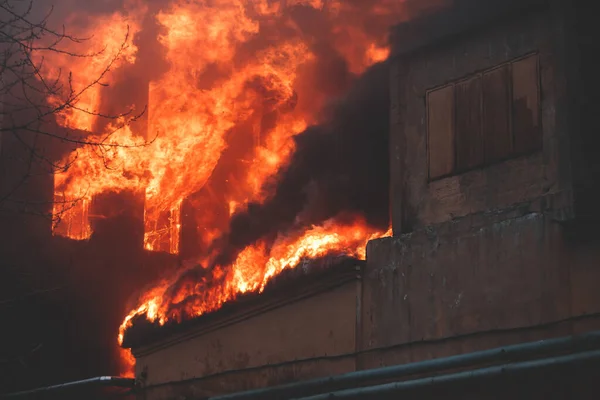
pixel 110 45
pixel 188 123
pixel 251 271
pixel 218 89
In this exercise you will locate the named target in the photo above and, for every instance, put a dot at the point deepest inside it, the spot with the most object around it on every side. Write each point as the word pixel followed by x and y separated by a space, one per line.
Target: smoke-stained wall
pixel 487 250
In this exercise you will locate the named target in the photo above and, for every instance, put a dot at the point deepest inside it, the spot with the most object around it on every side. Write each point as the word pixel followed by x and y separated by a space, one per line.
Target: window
pixel 484 118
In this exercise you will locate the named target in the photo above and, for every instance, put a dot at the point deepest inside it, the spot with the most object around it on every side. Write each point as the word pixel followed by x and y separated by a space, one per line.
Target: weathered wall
pixel 493 255
pixel 470 277
pixel 418 202
pixel 483 258
pixel 313 336
pixel 582 99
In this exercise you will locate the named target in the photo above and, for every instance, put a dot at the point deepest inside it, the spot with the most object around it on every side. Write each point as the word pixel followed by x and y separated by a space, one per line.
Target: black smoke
pixel 340 168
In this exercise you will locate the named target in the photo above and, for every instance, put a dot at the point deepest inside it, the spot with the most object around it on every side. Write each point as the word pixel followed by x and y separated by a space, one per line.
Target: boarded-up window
pixel 496 114
pixel 525 105
pixel 440 119
pixel 485 118
pixel 468 124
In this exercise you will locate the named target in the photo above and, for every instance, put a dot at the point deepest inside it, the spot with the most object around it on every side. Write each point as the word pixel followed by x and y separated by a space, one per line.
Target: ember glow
pixel 221 122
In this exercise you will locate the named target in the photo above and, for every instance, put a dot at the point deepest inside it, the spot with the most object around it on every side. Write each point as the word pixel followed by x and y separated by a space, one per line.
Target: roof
pixel 291 285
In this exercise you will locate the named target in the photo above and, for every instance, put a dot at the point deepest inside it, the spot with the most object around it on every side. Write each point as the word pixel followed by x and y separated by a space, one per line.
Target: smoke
pixel 340 164
pixel 339 168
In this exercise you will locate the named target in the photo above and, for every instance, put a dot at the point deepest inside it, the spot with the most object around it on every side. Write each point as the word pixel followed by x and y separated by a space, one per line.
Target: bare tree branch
pixel 32 100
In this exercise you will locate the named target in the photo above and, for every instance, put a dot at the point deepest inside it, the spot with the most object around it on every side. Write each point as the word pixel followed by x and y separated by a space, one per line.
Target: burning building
pixel 214 162
pixel 476 132
pixel 489 206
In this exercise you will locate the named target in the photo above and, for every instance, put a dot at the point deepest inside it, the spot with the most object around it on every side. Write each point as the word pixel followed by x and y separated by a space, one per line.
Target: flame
pixel 220 86
pixel 188 124
pixel 109 45
pixel 250 272
pixel 127 363
pixel 377 54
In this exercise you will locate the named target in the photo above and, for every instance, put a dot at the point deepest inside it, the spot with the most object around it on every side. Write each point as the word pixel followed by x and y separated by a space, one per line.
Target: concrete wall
pixel 302 336
pixel 472 284
pixel 418 202
pixel 490 256
pixel 483 258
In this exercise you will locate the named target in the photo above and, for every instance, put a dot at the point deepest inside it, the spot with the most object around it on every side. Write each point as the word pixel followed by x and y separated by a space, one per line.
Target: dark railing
pixel 396 388
pixel 572 345
pixel 518 358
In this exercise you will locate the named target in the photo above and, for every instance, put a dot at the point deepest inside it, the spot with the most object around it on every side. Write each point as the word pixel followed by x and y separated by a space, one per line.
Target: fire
pixel 221 122
pixel 377 54
pixel 188 123
pixel 250 272
pixel 128 363
pixel 109 47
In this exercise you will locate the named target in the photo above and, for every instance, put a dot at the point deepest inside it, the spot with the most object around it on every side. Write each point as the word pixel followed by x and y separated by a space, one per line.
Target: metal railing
pixel 518 352
pixel 100 381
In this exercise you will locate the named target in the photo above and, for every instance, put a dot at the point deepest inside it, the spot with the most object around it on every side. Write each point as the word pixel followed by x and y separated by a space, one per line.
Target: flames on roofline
pixel 196 291
pixel 327 271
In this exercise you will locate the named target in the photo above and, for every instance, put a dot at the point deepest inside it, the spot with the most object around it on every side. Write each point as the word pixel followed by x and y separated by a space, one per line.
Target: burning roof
pixel 322 273
pixel 196 291
pixel 266 132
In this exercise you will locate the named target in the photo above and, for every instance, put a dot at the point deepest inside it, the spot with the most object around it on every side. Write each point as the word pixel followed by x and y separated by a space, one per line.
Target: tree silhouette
pixel 33 96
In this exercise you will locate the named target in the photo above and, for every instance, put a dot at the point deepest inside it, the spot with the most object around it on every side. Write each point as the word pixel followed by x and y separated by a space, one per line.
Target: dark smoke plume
pixel 339 168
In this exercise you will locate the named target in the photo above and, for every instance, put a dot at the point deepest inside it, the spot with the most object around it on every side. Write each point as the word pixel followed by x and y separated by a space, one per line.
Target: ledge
pixel 292 285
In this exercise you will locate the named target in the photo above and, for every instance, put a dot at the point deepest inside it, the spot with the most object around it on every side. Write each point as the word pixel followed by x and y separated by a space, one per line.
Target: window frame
pixel 513 153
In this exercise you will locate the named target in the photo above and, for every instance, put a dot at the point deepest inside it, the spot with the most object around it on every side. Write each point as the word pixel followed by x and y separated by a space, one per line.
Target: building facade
pixel 493 180
pixel 491 226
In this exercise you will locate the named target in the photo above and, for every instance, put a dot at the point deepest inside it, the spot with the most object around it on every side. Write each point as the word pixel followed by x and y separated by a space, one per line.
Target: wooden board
pixel 526 106
pixel 496 115
pixel 440 116
pixel 469 140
